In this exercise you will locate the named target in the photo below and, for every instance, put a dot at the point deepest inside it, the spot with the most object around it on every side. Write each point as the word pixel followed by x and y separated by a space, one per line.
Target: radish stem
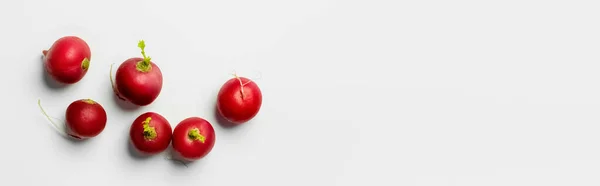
pixel 54 125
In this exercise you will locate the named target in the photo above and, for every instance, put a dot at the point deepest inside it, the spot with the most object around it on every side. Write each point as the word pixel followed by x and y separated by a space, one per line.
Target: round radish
pixel 239 100
pixel 193 138
pixel 138 80
pixel 85 118
pixel 150 133
pixel 68 59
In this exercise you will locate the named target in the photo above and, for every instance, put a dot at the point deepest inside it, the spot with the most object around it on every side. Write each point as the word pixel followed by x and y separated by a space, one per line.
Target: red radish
pixel 68 59
pixel 150 133
pixel 193 138
pixel 239 100
pixel 85 118
pixel 138 80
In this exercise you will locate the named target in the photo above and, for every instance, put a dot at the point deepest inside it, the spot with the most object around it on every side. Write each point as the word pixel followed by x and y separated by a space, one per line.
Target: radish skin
pixel 239 100
pixel 68 59
pixel 85 118
pixel 150 133
pixel 138 80
pixel 193 138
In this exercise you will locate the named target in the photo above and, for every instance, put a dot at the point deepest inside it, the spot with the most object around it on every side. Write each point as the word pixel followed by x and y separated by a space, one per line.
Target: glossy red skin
pixel 232 107
pixel 63 59
pixel 137 87
pixel 187 148
pixel 163 134
pixel 85 120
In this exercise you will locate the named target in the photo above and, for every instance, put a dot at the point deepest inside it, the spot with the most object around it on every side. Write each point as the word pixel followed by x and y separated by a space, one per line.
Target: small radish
pixel 239 100
pixel 150 133
pixel 68 59
pixel 193 138
pixel 138 80
pixel 85 118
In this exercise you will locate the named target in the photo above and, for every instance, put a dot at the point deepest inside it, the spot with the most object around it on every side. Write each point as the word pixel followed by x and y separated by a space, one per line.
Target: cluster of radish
pixel 139 81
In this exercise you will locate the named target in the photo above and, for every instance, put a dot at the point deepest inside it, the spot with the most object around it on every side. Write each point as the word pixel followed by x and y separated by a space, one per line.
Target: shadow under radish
pixel 224 123
pixel 180 167
pixel 77 141
pixel 125 105
pixel 175 159
pixel 74 139
pixel 71 138
pixel 134 153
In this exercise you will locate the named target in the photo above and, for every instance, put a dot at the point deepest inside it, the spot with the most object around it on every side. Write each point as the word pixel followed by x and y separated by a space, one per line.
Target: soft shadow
pixel 48 80
pixel 224 123
pixel 64 132
pixel 134 153
pixel 77 141
pixel 177 160
pixel 125 105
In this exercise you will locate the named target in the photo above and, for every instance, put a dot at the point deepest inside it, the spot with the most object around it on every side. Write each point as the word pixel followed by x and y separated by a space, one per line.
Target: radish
pixel 138 80
pixel 193 138
pixel 239 100
pixel 150 133
pixel 85 118
pixel 68 59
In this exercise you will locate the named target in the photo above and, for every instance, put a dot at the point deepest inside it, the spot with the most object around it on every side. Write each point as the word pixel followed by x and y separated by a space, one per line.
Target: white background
pixel 373 92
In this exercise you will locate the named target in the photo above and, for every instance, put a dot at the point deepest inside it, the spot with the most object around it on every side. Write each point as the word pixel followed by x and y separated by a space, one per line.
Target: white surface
pixel 355 92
